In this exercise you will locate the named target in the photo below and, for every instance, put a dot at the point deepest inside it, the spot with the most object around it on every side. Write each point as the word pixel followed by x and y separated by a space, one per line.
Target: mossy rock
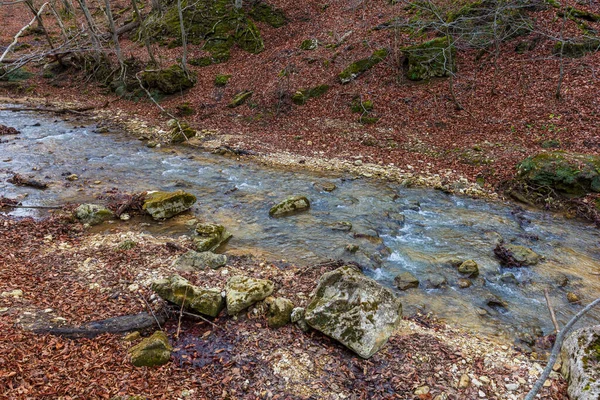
pixel 368 120
pixel 210 236
pixel 359 67
pixel 92 214
pixel 291 205
pixel 202 61
pixel 180 291
pixel 184 109
pixel 222 80
pixel 197 261
pixel 266 13
pixel 240 98
pixel 162 205
pixel 180 131
pixel 309 44
pixel 169 81
pixel 569 173
pixel 217 24
pixel 360 106
pixel 578 48
pixel 469 268
pixel 430 59
pixel 405 280
pixel 582 14
pixel 242 292
pixel 152 351
pixel 580 354
pixel 303 95
pixel 280 312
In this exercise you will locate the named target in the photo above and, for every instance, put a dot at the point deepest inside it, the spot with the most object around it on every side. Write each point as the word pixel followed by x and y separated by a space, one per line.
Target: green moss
pixel 169 81
pixel 581 14
pixel 184 109
pixel 202 61
pixel 303 95
pixel 221 80
pixel 368 120
pixel 434 58
pixel 359 106
pixel 309 44
pixel 17 75
pixel 180 132
pixel 551 144
pixel 577 49
pixel 266 13
pixel 359 67
pixel 240 98
pixel 127 245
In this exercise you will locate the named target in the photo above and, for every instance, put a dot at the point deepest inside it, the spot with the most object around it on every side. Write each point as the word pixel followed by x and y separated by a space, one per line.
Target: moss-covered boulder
pixel 303 95
pixel 267 13
pixel 198 261
pixel 405 280
pixel 361 106
pixel 578 48
pixel 355 310
pixel 434 58
pixel 210 236
pixel 161 205
pixel 92 214
pixel 240 98
pixel 222 80
pixel 216 24
pixel 280 311
pixel 297 317
pixel 570 173
pixel 180 131
pixel 289 206
pixel 180 291
pixel 151 351
pixel 170 80
pixel 359 67
pixel 580 355
pixel 242 291
pixel 309 44
pixel 469 268
pixel 512 255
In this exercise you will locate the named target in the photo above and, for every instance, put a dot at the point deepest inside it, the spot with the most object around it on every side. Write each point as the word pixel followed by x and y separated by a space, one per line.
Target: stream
pixel 396 229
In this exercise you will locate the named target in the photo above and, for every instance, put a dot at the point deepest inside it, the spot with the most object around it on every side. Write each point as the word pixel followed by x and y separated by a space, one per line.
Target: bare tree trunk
pixel 115 36
pixel 60 22
pixel 16 37
pixel 90 22
pixel 144 33
pixel 451 72
pixel 183 38
pixel 561 73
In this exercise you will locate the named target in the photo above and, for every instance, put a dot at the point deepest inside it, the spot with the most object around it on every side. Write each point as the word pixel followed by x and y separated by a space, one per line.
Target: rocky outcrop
pixel 210 236
pixel 280 311
pixel 289 206
pixel 170 80
pixel 161 205
pixel 242 291
pixel 580 355
pixel 181 292
pixel 434 58
pixel 152 351
pixel 92 214
pixel 355 310
pixel 195 261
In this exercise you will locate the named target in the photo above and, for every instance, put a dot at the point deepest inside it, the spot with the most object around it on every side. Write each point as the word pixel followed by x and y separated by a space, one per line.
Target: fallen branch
pixel 556 349
pixel 23 29
pixel 551 310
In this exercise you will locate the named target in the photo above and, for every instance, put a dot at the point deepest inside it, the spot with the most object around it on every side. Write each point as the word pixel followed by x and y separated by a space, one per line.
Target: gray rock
pixel 291 205
pixel 355 310
pixel 162 205
pixel 581 363
pixel 152 351
pixel 92 214
pixel 242 292
pixel 508 278
pixel 179 291
pixel 297 317
pixel 195 261
pixel 280 312
pixel 406 280
pixel 435 281
pixel 210 236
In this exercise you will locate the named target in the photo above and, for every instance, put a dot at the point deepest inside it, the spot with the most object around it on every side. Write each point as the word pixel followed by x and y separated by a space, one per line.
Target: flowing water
pixel 399 229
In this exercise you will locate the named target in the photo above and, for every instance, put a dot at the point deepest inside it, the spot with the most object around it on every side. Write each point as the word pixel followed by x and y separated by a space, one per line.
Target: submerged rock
pixel 580 354
pixel 289 206
pixel 162 205
pixel 469 268
pixel 512 255
pixel 195 261
pixel 280 312
pixel 181 292
pixel 242 292
pixel 210 236
pixel 355 310
pixel 92 214
pixel 405 280
pixel 152 351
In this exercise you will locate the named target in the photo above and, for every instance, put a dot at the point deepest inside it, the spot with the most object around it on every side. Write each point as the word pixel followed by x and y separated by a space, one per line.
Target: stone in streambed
pixel 179 291
pixel 210 236
pixel 92 214
pixel 195 261
pixel 406 280
pixel 161 205
pixel 469 268
pixel 289 206
pixel 152 351
pixel 242 292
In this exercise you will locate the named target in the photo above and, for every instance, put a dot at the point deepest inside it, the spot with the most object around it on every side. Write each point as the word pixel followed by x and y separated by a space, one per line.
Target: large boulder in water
pixel 580 363
pixel 167 204
pixel 92 214
pixel 291 205
pixel 355 310
pixel 152 351
pixel 242 292
pixel 181 292
pixel 569 173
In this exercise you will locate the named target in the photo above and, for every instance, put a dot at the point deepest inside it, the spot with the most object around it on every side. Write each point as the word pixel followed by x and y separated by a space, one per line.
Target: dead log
pixel 21 180
pixel 116 325
pixel 123 29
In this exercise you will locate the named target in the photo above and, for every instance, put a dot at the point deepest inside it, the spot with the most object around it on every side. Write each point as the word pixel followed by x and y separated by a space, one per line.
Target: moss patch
pixel 434 58
pixel 169 81
pixel 240 98
pixel 578 48
pixel 359 67
pixel 221 80
pixel 309 44
pixel 303 95
pixel 266 13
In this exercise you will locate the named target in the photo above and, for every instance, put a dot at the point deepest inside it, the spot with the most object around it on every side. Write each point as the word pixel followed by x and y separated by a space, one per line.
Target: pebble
pixel 72 177
pixel 358 163
pixel 422 390
pixel 125 217
pixel 464 382
pixel 573 298
pixel 482 394
pixel 134 287
pixel 512 386
pixel 13 293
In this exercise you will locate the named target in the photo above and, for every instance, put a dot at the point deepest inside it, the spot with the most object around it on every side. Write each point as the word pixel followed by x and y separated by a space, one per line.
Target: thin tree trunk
pixel 561 73
pixel 183 38
pixel 90 22
pixel 144 33
pixel 115 36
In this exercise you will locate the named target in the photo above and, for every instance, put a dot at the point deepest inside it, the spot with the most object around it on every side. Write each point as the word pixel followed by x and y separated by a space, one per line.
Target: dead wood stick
pixel 23 29
pixel 556 349
pixel 189 314
pixel 181 314
pixel 551 310
pixel 151 311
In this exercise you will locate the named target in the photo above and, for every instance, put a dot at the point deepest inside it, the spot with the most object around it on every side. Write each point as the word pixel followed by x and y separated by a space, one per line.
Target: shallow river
pixel 237 194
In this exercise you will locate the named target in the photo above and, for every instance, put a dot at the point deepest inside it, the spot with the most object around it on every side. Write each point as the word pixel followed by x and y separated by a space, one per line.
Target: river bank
pixel 72 275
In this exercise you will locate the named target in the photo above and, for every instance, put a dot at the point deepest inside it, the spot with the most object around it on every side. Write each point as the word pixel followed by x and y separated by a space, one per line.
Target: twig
pixel 189 314
pixel 556 349
pixel 552 315
pixel 151 311
pixel 181 313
